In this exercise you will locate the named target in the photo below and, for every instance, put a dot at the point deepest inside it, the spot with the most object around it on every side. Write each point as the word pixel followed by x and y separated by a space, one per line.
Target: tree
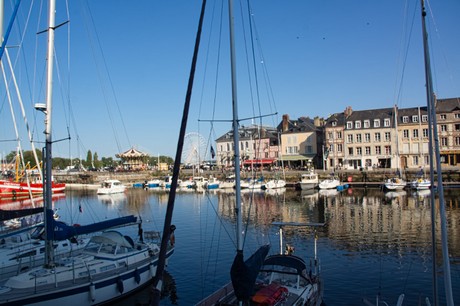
pixel 89 159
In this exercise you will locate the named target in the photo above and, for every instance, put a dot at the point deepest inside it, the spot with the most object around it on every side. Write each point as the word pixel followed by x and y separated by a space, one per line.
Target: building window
pixel 425 133
pixel 309 149
pixel 414 118
pixel 405 119
pixel 415 160
pixel 350 151
pixel 228 147
pixel 442 117
pixel 387 150
pixel 358 138
pixel 457 141
pixel 386 122
pixel 339 148
pixel 424 118
pixel 368 150
pixel 415 133
pixel 357 124
pixel 377 137
pixel 367 137
pixel 359 151
pixel 406 134
pixel 339 134
pixel 349 138
pixel 334 123
pixel 367 124
pixel 329 135
pixel 376 123
pixel 387 136
pixel 444 142
pixel 457 127
pixel 349 125
pixel 457 116
pixel 443 128
pixel 378 150
pixel 292 150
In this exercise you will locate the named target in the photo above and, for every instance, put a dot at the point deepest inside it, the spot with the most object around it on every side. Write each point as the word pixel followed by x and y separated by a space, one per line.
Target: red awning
pixel 262 161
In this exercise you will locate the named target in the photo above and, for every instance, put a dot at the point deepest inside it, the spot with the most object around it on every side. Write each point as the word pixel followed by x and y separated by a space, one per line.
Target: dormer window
pixel 405 119
pixel 376 123
pixel 386 122
pixel 367 124
pixel 414 118
pixel 424 118
pixel 357 124
pixel 334 123
pixel 349 125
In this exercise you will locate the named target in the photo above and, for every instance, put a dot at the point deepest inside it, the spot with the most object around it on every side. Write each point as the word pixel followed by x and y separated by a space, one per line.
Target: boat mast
pixel 236 136
pixel 49 258
pixel 433 138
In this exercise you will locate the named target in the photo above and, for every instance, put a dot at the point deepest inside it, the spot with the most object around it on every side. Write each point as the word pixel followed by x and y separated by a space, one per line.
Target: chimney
pixel 348 112
pixel 285 124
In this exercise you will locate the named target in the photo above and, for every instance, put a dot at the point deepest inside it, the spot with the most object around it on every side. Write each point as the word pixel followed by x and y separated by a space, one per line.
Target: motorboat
pixel 111 186
pixel 308 180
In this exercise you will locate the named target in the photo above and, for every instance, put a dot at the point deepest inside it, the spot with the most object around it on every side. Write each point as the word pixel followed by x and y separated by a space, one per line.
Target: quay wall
pixel 372 177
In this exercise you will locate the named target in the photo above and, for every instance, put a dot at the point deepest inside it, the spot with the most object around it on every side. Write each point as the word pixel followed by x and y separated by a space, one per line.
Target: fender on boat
pixel 120 285
pixel 137 276
pixel 92 292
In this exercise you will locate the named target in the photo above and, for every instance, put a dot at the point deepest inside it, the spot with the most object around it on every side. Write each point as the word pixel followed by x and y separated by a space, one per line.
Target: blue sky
pixel 129 64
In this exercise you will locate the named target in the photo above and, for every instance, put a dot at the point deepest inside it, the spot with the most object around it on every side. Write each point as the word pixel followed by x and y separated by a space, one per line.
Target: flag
pixel 212 152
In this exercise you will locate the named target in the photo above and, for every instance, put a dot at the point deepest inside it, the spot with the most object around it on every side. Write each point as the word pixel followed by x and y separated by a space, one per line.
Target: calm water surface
pixel 374 242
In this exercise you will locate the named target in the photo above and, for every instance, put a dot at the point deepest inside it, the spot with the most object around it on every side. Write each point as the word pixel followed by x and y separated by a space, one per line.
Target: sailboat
pixel 111 265
pixel 434 153
pixel 397 182
pixel 280 279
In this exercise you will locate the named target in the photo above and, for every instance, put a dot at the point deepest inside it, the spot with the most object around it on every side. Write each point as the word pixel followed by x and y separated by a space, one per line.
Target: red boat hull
pixel 21 189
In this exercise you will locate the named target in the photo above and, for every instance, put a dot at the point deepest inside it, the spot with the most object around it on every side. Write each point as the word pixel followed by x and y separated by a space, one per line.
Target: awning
pixel 263 161
pixel 296 157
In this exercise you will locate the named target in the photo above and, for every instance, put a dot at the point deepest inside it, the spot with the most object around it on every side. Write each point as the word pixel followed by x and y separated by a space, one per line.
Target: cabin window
pixel 107 268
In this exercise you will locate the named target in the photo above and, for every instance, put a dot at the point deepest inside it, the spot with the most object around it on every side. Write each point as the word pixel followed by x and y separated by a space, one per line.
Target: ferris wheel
pixel 194 150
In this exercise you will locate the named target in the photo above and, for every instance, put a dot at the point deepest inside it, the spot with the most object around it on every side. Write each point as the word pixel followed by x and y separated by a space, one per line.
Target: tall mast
pixel 434 141
pixel 49 259
pixel 236 136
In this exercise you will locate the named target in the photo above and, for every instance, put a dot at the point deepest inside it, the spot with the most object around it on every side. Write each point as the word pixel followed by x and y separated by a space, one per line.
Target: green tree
pixel 89 159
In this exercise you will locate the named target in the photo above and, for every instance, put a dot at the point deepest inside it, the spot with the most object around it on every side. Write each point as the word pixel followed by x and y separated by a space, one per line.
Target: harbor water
pixel 373 244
